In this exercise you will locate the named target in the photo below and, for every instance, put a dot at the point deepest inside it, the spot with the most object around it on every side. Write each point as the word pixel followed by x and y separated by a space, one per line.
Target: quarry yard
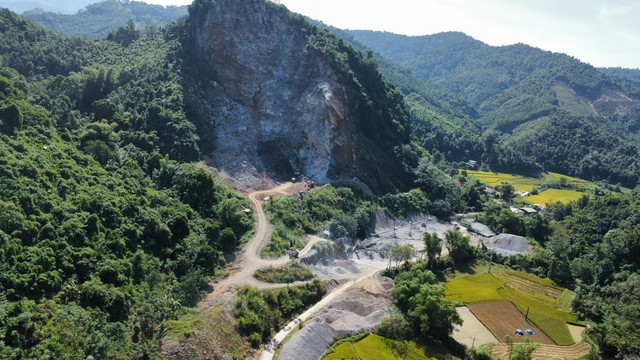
pixel 360 298
pixel 357 297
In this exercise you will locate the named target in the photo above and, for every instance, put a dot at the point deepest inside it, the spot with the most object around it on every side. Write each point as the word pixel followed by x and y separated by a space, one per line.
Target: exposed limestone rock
pixel 278 105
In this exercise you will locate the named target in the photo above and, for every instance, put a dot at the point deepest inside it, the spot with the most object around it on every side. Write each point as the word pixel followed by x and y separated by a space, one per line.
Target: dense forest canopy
pixel 516 92
pixel 108 225
pixel 105 231
pixel 100 18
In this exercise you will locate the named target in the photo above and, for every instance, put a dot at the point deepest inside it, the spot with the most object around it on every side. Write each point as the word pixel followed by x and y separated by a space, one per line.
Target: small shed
pixel 480 229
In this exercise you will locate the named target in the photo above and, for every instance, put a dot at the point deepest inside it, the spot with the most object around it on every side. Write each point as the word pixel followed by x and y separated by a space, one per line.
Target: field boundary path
pixel 532 287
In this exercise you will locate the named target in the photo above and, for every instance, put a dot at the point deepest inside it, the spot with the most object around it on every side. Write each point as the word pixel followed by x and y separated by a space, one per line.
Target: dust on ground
pixel 346 259
pixel 472 332
pixel 354 311
pixel 509 245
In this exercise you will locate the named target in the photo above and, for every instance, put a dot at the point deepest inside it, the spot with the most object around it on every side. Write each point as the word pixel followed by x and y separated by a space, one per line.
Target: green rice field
pixel 376 347
pixel 527 184
pixel 552 195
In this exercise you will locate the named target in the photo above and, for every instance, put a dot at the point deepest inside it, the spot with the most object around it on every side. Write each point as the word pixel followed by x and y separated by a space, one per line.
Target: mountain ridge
pixel 98 19
pixel 513 85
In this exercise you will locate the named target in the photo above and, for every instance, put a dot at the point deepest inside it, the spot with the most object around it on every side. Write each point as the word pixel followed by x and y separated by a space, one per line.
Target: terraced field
pixel 547 352
pixel 542 300
pixel 520 283
pixel 502 318
pixel 527 184
pixel 552 195
pixel 376 347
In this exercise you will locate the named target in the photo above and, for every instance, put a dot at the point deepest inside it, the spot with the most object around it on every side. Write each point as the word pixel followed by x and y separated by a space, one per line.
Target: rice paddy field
pixel 377 347
pixel 527 184
pixel 552 195
pixel 541 301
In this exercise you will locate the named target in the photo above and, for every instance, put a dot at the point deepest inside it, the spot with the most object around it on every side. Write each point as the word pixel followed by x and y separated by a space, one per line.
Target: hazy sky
pixel 600 32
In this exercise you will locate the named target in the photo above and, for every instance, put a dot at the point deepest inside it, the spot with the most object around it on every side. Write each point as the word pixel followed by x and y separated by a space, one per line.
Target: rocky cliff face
pixel 278 105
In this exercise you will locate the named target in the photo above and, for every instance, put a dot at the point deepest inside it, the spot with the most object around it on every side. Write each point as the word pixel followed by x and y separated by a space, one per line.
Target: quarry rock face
pixel 278 105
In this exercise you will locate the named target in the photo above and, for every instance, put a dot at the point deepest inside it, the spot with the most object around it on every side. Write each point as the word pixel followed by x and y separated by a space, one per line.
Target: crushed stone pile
pixel 355 311
pixel 508 245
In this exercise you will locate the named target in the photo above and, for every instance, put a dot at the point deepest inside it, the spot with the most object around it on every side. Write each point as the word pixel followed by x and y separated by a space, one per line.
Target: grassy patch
pixel 469 289
pixel 377 347
pixel 283 240
pixel 564 302
pixel 182 328
pixel 259 312
pixel 288 273
pixel 212 323
pixel 542 310
pixel 553 195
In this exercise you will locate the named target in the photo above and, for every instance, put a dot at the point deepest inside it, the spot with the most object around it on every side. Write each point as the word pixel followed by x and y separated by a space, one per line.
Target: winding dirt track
pixel 248 261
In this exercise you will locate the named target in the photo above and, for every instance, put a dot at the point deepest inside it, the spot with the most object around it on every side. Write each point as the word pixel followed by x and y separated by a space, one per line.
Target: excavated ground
pixel 358 309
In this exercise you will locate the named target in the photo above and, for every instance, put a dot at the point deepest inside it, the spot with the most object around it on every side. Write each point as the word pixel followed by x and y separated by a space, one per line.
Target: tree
pixel 432 247
pixel 524 351
pixel 10 119
pixel 507 191
pixel 459 247
pixel 539 228
pixel 394 326
pixel 125 35
pixel 473 195
pixel 421 300
pixel 401 253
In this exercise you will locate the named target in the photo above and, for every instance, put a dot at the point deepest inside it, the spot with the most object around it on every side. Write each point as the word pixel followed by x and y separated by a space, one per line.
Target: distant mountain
pixel 536 109
pixel 58 6
pixel 632 74
pixel 99 19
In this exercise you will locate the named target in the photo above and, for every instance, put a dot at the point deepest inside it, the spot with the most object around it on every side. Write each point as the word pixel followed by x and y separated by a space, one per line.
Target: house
pixel 480 229
pixel 528 211
pixel 471 164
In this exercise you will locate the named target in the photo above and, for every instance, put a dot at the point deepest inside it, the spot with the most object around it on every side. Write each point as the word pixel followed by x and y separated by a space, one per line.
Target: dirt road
pixel 248 261
pixel 267 354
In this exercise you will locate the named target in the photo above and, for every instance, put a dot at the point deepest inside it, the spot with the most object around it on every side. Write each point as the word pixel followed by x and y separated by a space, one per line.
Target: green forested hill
pixel 105 231
pixel 521 96
pixel 594 247
pixel 100 18
pixel 632 74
